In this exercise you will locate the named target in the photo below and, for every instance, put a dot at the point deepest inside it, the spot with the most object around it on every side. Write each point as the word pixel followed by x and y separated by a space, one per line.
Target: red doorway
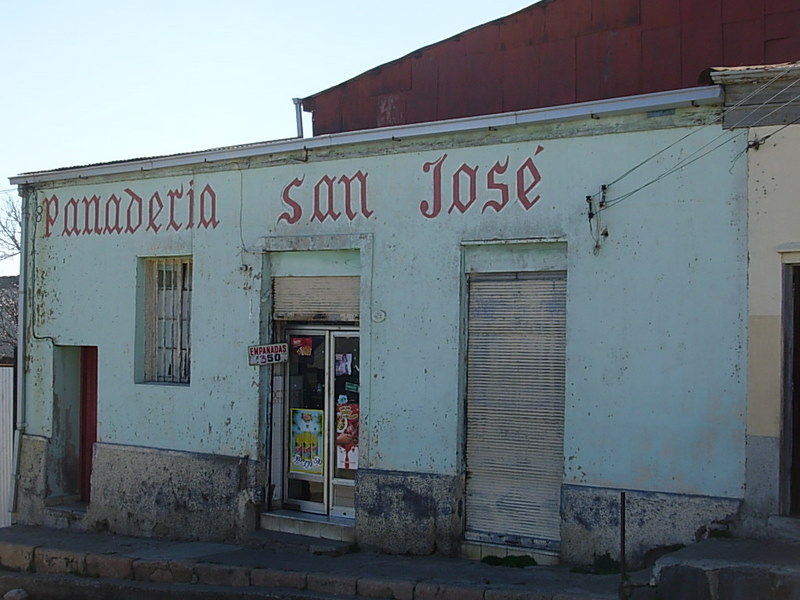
pixel 88 435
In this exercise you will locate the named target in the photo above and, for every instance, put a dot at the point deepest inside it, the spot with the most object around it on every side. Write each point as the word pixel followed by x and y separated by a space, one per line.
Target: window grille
pixel 168 336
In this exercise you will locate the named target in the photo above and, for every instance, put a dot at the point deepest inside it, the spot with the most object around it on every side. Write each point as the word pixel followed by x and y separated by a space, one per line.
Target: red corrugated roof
pixel 562 51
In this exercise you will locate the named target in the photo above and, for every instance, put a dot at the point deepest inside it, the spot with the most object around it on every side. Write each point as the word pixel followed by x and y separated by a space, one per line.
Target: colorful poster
pixel 346 434
pixel 302 346
pixel 307 450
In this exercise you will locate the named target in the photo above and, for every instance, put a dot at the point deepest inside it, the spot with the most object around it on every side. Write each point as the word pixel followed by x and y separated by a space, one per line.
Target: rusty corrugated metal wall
pixel 560 52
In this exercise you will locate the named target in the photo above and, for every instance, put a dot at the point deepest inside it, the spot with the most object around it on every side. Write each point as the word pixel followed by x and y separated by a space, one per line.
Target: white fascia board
pixel 598 108
pixel 734 75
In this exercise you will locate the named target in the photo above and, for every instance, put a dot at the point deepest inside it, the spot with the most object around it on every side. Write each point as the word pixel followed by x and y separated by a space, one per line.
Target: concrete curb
pixel 735 582
pixel 54 561
pixel 16 557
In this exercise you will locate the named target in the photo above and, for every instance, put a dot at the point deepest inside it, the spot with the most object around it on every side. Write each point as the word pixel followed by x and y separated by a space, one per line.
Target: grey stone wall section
pixel 590 523
pixel 744 583
pixel 762 473
pixel 180 495
pixel 31 484
pixel 409 513
pixel 684 582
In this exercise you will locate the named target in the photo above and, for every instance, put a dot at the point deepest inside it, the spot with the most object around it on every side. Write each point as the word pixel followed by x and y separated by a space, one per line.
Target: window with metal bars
pixel 168 313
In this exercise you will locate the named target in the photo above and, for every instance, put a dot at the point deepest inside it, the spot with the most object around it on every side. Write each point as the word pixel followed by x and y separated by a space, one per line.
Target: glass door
pixel 306 482
pixel 322 420
pixel 345 429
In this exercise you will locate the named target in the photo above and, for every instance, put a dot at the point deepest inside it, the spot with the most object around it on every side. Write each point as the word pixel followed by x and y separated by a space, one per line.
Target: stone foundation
pixel 409 513
pixel 590 522
pixel 182 495
pixel 31 484
pixel 762 493
pixel 147 492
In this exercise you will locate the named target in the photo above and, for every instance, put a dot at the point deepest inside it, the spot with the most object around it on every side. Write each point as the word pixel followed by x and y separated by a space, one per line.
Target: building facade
pixel 465 336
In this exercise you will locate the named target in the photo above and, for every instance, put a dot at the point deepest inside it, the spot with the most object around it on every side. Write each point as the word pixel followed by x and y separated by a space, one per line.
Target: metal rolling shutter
pixel 315 298
pixel 515 406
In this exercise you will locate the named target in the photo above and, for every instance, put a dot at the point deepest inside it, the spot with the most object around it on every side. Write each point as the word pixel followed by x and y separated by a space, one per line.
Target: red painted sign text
pixel 464 182
pixel 456 188
pixel 128 212
pixel 332 198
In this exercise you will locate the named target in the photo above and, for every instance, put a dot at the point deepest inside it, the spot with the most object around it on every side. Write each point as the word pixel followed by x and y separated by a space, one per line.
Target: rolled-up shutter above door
pixel 316 299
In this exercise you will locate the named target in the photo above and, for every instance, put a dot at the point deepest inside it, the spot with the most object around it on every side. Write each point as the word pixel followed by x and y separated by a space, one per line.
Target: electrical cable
pixel 686 161
pixel 725 111
pixel 785 70
pixel 760 141
pixel 674 169
pixel 763 104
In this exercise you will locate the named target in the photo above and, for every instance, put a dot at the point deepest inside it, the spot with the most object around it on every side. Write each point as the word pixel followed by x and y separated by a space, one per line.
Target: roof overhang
pixel 694 96
pixel 753 74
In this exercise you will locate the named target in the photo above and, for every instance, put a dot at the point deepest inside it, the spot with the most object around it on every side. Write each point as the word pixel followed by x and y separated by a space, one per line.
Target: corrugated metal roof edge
pixel 537 6
pixel 596 108
pixel 156 157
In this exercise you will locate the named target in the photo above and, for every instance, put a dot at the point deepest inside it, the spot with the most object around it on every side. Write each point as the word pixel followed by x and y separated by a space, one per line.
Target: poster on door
pixel 346 434
pixel 307 454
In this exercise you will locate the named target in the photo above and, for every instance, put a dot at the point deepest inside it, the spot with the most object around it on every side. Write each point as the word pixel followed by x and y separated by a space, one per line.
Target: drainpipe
pixel 298 112
pixel 22 315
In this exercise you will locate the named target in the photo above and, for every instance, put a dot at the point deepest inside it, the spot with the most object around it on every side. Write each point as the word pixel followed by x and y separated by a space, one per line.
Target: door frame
pixel 790 430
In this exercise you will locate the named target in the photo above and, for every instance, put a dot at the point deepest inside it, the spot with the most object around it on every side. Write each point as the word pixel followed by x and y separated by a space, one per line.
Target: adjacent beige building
pixel 765 101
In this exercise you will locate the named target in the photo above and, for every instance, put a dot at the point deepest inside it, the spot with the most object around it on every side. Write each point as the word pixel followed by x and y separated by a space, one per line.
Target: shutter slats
pixel 316 298
pixel 515 404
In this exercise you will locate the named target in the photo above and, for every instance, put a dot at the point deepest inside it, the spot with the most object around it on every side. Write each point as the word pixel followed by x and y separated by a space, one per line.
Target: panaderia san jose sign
pixel 454 187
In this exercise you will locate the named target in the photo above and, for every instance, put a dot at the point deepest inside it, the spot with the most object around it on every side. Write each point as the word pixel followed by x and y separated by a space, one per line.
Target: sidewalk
pixel 103 566
pixel 361 574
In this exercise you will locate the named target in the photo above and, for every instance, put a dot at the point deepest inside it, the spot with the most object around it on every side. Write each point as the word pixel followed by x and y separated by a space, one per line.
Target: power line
pixel 760 141
pixel 717 120
pixel 684 162
pixel 681 165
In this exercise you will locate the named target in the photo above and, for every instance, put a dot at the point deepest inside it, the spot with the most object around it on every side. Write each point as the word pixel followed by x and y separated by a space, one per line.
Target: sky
pixel 88 81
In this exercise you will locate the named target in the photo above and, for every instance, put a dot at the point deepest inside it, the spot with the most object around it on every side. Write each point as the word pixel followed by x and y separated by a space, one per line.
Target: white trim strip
pixel 613 106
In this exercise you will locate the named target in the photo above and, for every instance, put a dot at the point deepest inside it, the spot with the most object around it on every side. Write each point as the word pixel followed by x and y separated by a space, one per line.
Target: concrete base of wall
pixel 147 492
pixel 409 513
pixel 31 484
pixel 36 505
pixel 590 522
pixel 762 491
pixel 182 495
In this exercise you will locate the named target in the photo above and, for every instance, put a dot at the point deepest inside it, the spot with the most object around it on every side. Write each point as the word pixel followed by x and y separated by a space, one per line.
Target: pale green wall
pixel 656 338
